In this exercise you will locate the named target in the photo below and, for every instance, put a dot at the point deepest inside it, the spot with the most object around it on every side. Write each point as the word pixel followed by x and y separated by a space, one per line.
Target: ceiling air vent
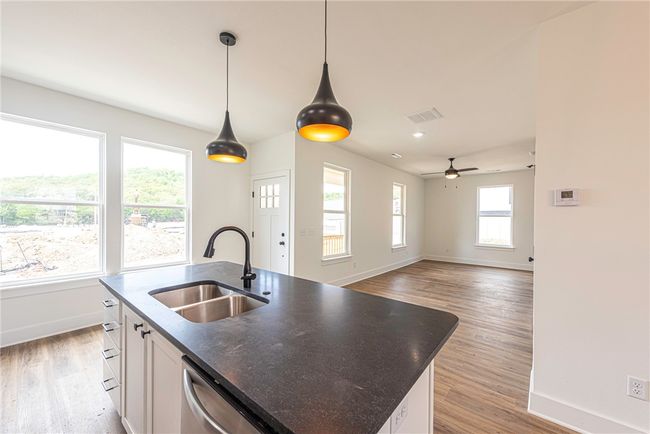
pixel 425 115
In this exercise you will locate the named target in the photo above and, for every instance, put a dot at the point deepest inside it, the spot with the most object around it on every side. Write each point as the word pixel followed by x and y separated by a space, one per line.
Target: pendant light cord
pixel 227 75
pixel 325 31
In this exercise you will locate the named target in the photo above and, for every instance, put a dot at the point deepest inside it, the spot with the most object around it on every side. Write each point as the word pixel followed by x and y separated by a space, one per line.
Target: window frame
pixel 346 212
pixel 402 214
pixel 510 214
pixel 187 207
pixel 100 203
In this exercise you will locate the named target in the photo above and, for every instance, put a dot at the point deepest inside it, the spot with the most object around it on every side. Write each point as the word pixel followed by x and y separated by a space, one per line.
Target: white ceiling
pixel 473 61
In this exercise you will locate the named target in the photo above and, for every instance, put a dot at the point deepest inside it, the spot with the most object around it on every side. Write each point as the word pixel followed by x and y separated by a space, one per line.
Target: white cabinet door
pixel 134 372
pixel 164 385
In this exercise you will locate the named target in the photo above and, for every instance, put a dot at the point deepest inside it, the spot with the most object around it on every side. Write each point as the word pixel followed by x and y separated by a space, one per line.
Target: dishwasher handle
pixel 195 404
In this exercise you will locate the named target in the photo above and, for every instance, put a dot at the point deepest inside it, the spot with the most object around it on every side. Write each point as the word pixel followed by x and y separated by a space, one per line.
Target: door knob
pixel 282 243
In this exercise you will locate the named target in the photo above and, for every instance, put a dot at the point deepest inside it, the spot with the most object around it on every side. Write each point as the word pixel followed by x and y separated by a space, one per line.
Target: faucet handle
pixel 249 276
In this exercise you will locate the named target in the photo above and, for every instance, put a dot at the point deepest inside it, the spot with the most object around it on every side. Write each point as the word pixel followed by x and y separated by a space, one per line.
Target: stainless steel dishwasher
pixel 208 408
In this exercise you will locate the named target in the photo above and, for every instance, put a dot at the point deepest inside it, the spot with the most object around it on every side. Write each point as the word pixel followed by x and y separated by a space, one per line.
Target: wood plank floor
pixel 52 385
pixel 481 375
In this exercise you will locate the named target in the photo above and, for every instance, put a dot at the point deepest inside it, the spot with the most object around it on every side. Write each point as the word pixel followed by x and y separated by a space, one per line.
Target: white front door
pixel 271 224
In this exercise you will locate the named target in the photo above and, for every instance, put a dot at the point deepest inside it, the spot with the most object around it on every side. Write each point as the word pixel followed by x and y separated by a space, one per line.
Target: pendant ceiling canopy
pixel 226 148
pixel 324 120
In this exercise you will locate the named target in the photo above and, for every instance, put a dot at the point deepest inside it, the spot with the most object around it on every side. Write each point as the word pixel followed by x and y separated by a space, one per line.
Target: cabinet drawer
pixel 112 307
pixel 111 386
pixel 111 354
pixel 112 330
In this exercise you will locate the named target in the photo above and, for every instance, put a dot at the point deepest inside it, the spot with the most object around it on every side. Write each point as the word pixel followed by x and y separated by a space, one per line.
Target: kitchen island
pixel 312 358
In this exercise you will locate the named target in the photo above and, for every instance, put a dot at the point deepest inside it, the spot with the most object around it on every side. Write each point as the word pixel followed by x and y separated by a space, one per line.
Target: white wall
pixel 219 195
pixel 272 155
pixel 450 220
pixel 371 215
pixel 592 288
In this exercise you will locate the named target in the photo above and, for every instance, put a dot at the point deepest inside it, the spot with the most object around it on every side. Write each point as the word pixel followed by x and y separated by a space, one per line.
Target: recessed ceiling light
pixel 418 134
pixel 395 155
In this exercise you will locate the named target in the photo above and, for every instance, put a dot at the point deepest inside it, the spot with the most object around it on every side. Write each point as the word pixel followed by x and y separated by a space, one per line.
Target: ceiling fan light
pixel 451 175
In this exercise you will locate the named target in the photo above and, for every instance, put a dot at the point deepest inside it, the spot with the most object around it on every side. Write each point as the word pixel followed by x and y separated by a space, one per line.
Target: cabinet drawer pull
pixel 142 333
pixel 106 355
pixel 106 389
pixel 109 303
pixel 110 326
pixel 137 326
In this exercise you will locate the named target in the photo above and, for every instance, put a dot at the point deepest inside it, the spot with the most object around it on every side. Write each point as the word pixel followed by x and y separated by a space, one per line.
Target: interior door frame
pixel 267 175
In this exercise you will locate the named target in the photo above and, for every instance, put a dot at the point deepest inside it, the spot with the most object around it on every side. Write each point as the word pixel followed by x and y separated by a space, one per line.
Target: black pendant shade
pixel 324 120
pixel 226 148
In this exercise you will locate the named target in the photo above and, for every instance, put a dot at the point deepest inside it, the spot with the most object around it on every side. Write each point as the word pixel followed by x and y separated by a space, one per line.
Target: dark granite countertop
pixel 317 358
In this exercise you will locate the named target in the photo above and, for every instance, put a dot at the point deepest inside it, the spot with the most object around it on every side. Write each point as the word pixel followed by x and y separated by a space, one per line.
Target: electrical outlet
pixel 399 415
pixel 637 388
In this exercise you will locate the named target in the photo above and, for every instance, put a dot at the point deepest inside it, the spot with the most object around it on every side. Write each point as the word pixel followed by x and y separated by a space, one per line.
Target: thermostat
pixel 566 197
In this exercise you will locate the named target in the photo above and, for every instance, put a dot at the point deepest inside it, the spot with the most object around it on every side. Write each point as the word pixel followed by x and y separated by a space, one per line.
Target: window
pixel 494 225
pixel 399 215
pixel 51 201
pixel 155 204
pixel 336 213
pixel 270 196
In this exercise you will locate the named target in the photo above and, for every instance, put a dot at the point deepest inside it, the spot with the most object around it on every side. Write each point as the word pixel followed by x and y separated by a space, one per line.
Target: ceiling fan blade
pixel 431 173
pixel 467 169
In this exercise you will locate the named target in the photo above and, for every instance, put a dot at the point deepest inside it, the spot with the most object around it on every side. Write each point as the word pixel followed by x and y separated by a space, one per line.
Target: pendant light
pixel 226 148
pixel 324 120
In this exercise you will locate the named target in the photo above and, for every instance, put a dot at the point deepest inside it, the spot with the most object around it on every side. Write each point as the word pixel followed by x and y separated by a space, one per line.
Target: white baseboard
pixel 374 272
pixel 487 263
pixel 42 330
pixel 576 418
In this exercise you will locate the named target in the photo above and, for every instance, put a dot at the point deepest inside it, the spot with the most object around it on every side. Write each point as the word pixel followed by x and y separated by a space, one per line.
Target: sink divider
pixel 187 306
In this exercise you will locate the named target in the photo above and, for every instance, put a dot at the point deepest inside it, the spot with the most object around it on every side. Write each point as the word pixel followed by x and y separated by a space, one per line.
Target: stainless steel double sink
pixel 206 302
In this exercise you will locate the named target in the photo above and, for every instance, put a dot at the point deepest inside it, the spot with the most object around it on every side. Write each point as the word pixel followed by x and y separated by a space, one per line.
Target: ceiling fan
pixel 452 172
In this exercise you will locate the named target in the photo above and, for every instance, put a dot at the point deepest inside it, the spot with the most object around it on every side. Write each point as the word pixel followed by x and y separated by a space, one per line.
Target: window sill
pixel 398 248
pixel 492 246
pixel 150 266
pixel 335 259
pixel 14 290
